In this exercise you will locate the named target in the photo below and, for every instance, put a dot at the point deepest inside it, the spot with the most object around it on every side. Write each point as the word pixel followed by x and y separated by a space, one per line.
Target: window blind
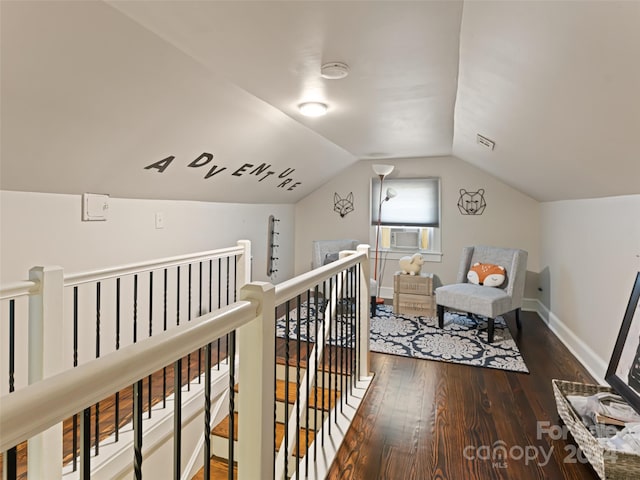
pixel 417 203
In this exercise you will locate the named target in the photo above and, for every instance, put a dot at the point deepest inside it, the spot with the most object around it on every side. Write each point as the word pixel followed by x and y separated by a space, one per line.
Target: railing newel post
pixel 364 367
pixel 45 360
pixel 257 374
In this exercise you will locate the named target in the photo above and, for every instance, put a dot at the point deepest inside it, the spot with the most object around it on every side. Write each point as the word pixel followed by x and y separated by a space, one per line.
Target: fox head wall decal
pixel 343 205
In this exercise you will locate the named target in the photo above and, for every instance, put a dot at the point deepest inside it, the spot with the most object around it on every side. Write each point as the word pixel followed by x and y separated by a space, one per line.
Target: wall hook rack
pixel 272 246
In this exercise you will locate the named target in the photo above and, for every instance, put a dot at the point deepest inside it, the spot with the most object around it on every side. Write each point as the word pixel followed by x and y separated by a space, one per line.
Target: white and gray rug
pixel 461 340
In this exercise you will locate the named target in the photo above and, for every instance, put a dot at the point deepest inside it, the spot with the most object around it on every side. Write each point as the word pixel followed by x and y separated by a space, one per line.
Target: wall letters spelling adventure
pixel 261 172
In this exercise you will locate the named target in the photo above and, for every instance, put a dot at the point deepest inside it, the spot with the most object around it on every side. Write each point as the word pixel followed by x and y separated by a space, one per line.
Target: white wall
pixel 511 218
pixel 590 254
pixel 46 229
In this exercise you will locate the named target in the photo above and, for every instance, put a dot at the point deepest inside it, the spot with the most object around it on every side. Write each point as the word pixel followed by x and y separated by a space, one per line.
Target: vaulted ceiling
pixel 198 99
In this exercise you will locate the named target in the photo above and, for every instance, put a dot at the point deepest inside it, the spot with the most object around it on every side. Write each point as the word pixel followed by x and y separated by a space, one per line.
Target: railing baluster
pixel 200 313
pixel 12 345
pixel 150 378
pixel 286 388
pixel 97 412
pixel 12 457
pixel 298 345
pixel 219 301
pixel 75 364
pixel 227 290
pixel 337 353
pixel 135 321
pixel 150 304
pixel 275 399
pixel 348 330
pixel 177 418
pixel 137 430
pixel 207 412
pixel 315 353
pixel 116 416
pixel 344 321
pixel 178 296
pixel 235 279
pixel 12 463
pixel 210 286
pixel 164 328
pixel 85 444
pixel 340 313
pixel 307 391
pixel 324 353
pixel 135 308
pixel 354 326
pixel 189 319
pixel 328 348
pixel 232 383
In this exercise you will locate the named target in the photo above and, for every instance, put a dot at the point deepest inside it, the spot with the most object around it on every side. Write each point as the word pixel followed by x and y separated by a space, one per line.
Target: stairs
pixel 320 402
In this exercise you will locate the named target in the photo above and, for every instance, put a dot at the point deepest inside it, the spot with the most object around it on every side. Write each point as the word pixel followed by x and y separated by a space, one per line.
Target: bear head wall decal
pixel 471 203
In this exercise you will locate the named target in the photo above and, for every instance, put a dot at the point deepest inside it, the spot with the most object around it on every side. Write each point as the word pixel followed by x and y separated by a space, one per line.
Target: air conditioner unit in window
pixel 405 238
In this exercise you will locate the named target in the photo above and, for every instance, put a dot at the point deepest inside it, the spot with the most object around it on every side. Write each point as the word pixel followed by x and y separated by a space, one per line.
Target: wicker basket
pixel 608 464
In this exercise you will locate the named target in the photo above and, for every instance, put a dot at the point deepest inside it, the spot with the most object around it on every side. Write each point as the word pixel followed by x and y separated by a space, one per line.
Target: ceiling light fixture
pixel 313 109
pixel 334 70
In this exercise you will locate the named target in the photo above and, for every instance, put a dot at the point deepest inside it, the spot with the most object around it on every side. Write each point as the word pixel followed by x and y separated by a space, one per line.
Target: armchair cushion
pixel 330 257
pixel 323 248
pixel 467 297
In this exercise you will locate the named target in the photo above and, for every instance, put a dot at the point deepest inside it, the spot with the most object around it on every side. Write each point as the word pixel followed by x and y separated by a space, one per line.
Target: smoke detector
pixel 334 70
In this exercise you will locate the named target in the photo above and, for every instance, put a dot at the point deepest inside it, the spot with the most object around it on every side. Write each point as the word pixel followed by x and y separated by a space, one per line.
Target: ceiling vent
pixel 485 142
pixel 334 70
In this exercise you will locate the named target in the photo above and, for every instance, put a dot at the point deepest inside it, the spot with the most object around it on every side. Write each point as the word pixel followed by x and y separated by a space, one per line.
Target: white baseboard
pixel 585 355
pixel 386 292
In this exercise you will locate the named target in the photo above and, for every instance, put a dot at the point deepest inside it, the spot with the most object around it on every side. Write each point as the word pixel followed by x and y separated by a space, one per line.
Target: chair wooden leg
pixel 440 316
pixel 518 319
pixel 490 330
pixel 374 304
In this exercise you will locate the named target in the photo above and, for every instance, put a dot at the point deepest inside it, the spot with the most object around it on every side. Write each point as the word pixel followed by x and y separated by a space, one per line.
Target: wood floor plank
pixel 426 420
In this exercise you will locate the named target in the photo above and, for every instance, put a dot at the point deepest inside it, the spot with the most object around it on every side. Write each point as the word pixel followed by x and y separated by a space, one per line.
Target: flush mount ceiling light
pixel 313 109
pixel 334 70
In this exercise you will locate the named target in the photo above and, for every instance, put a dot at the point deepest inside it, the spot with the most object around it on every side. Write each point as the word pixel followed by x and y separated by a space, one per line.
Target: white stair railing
pixel 252 315
pixel 288 291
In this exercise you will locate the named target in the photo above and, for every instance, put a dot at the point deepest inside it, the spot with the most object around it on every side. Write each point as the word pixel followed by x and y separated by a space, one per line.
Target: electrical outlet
pixel 159 220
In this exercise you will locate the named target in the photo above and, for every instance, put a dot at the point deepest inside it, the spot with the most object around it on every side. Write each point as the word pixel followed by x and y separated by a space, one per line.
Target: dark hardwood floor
pixel 426 420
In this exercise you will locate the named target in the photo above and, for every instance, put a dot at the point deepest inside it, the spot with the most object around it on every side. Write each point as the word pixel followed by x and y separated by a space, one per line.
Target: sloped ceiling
pixel 198 100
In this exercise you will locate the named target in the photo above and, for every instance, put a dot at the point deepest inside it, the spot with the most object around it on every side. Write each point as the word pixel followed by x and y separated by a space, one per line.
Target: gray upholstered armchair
pixel 481 300
pixel 327 251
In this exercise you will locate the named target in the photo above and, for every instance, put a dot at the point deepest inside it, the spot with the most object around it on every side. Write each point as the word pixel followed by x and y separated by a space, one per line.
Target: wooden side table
pixel 413 294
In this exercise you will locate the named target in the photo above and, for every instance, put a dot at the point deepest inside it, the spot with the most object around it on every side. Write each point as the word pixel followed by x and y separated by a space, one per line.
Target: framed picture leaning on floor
pixel 623 373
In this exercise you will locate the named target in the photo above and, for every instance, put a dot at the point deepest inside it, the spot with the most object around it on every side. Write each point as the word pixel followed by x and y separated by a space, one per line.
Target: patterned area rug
pixel 462 340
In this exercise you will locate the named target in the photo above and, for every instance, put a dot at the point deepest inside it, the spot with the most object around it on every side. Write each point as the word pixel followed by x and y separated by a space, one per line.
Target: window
pixel 410 220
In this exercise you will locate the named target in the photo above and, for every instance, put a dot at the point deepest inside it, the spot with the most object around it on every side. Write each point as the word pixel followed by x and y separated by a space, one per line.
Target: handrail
pixel 110 373
pixel 18 289
pixel 99 275
pixel 291 288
